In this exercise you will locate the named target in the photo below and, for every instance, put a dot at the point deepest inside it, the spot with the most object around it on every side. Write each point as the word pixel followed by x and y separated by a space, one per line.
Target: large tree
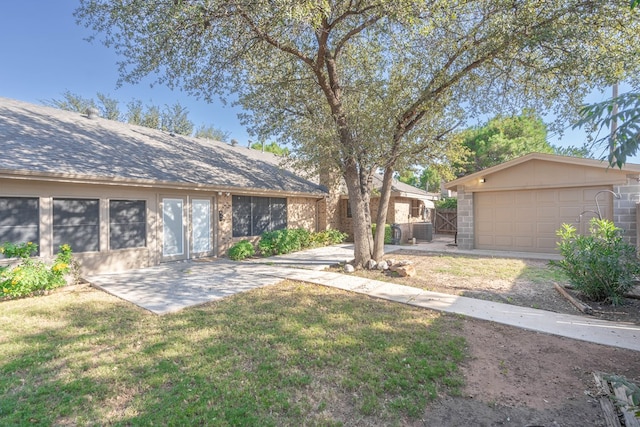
pixel 361 85
pixel 504 138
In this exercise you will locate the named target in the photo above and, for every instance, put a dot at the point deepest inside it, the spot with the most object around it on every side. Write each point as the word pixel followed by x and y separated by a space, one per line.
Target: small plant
pixel 241 250
pixel 388 235
pixel 29 276
pixel 601 266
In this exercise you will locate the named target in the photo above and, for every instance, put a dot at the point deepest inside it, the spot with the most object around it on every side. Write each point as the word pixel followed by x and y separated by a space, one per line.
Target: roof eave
pixel 146 183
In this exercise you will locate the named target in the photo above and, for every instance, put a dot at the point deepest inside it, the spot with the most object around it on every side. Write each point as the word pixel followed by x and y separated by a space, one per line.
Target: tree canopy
pixel 173 118
pixel 359 85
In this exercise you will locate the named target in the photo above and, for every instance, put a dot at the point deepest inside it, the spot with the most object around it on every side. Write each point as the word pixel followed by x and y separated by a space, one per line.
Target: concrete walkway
pixel 174 286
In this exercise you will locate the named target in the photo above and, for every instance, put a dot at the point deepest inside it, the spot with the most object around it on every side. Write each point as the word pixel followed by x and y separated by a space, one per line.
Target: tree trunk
pixel 381 220
pixel 359 200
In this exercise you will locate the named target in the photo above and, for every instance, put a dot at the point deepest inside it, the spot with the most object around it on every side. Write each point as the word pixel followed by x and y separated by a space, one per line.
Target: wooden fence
pixel 446 221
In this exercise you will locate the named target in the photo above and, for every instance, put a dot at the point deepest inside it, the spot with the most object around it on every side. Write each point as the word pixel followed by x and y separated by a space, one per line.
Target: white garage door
pixel 527 220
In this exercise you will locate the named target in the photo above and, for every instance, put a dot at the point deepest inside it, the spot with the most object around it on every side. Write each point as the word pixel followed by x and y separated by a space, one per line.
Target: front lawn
pixel 289 354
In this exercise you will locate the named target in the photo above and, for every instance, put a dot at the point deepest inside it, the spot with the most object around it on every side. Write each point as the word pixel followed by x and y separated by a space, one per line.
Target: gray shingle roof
pixel 42 140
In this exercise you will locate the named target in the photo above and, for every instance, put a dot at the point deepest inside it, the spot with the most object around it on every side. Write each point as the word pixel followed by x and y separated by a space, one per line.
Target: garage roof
pixel 533 172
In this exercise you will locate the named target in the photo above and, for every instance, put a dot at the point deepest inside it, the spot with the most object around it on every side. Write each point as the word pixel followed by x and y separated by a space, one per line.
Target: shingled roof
pixel 40 141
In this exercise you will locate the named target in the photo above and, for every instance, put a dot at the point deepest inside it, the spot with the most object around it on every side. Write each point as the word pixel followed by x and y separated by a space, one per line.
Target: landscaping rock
pixel 391 262
pixel 348 268
pixel 404 270
pixel 371 264
pixel 382 265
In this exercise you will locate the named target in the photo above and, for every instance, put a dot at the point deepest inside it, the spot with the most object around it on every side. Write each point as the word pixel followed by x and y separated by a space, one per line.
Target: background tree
pixel 504 138
pixel 175 119
pixel 109 108
pixel 72 102
pixel 624 142
pixel 212 132
pixel 357 86
pixel 271 147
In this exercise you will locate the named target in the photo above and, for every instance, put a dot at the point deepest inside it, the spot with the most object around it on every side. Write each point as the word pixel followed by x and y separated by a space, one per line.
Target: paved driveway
pixel 173 286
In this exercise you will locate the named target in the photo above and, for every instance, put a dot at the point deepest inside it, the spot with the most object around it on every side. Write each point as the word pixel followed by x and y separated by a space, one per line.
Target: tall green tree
pixel 360 85
pixel 504 138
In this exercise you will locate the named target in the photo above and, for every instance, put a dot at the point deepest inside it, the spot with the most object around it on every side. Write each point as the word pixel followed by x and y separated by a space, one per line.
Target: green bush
pixel 241 250
pixel 29 276
pixel 388 235
pixel 285 241
pixel 281 242
pixel 447 203
pixel 327 238
pixel 601 266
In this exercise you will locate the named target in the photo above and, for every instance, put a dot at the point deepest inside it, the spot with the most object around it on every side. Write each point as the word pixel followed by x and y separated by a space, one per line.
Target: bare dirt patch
pixel 523 282
pixel 516 377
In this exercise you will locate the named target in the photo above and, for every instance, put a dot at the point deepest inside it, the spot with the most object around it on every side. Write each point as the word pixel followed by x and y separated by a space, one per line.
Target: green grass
pixel 289 354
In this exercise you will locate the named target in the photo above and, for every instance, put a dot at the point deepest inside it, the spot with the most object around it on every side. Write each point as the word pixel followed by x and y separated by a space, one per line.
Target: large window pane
pixel 172 227
pixel 76 223
pixel 201 225
pixel 252 216
pixel 241 216
pixel 261 215
pixel 127 224
pixel 278 214
pixel 19 220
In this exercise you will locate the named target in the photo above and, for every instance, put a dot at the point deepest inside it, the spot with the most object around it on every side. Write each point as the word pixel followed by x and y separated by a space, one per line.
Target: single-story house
pixel 520 204
pixel 410 208
pixel 126 196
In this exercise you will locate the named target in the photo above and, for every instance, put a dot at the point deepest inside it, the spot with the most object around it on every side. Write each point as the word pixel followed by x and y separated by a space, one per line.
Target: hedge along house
pixel 125 196
pixel 520 204
pixel 409 207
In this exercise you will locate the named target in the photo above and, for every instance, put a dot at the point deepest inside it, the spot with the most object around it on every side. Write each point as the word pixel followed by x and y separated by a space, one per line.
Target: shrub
pixel 327 238
pixel 447 203
pixel 388 234
pixel 285 241
pixel 601 266
pixel 29 276
pixel 241 250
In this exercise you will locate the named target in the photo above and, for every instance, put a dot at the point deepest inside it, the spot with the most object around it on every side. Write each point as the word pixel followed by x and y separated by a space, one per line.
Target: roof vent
pixel 93 113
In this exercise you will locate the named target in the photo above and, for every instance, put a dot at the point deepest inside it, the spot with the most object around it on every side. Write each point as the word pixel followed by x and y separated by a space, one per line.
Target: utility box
pixel 423 231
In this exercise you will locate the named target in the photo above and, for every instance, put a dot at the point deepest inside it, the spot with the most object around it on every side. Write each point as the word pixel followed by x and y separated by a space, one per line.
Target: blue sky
pixel 44 53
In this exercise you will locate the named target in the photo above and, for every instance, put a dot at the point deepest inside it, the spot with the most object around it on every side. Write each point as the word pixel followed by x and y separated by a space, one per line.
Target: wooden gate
pixel 446 221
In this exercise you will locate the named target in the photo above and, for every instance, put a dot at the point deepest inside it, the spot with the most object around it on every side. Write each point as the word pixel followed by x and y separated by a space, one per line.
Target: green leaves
pixel 601 116
pixel 601 266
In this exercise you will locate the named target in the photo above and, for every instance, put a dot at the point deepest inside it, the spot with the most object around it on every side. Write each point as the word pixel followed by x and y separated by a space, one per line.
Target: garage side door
pixel 527 220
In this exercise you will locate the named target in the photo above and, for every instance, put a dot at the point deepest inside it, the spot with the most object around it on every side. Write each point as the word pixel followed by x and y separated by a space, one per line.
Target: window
pixel 76 222
pixel 127 224
pixel 416 208
pixel 19 220
pixel 349 214
pixel 253 216
pixel 201 225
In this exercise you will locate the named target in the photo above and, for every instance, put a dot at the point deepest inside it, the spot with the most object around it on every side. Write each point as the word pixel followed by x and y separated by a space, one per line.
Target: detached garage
pixel 519 205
